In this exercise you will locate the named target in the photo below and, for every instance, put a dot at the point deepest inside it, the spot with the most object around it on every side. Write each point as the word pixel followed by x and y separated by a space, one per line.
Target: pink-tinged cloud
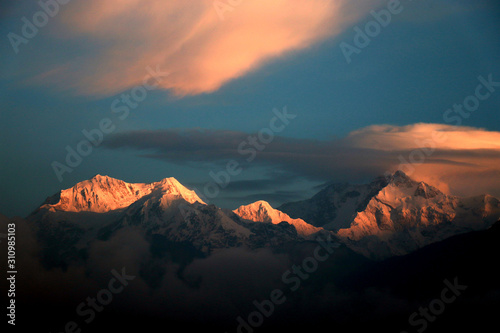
pixel 189 40
pixel 459 160
pixel 439 136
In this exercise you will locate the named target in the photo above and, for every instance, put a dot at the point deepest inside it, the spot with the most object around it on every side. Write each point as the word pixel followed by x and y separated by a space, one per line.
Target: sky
pixel 248 100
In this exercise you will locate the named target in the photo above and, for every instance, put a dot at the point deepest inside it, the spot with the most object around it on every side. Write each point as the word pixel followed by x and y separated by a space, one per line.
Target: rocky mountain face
pixel 261 211
pixel 102 194
pixel 334 207
pixel 391 216
pixel 396 215
pixel 188 256
pixel 96 209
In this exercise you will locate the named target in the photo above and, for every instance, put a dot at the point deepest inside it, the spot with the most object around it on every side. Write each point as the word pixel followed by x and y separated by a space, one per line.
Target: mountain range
pixel 400 238
pixel 394 215
pixel 97 208
pixel 390 216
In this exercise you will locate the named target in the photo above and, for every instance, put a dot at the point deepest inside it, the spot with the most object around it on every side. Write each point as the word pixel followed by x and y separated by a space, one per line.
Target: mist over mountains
pixel 198 264
pixel 393 215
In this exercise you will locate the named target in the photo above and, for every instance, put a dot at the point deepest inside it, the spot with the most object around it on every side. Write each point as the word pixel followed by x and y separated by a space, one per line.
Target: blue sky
pixel 428 58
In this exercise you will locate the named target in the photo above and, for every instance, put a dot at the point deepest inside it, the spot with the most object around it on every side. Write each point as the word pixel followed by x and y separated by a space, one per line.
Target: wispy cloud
pixel 463 160
pixel 388 137
pixel 188 40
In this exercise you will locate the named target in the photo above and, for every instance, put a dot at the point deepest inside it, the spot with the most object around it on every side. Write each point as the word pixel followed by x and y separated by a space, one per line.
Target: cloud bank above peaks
pixel 200 46
pixel 459 160
pixel 439 136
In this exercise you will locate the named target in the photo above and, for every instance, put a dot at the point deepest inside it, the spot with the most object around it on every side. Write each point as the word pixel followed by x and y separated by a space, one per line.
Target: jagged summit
pixel 101 194
pixel 399 174
pixel 172 186
pixel 426 191
pixel 261 211
pixel 261 203
pixel 101 177
pixel 401 178
pixel 406 215
pixel 392 215
pixel 165 209
pixel 398 178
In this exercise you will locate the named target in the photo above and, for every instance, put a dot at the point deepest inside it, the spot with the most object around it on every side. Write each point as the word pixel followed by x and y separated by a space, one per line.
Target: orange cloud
pixel 438 136
pixel 457 159
pixel 189 40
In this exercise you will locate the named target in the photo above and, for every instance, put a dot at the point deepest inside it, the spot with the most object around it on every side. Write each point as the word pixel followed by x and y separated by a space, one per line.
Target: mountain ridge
pixel 102 194
pixel 390 216
pixel 261 211
pixel 98 208
pixel 395 215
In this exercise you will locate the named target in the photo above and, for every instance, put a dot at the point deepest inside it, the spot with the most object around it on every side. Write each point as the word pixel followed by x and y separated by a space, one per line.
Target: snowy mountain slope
pixel 96 209
pixel 97 206
pixel 335 206
pixel 261 211
pixel 204 226
pixel 393 215
pixel 102 194
pixel 406 215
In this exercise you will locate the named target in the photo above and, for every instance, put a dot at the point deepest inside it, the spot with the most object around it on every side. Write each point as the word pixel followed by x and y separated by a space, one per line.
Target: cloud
pixel 271 180
pixel 313 158
pixel 387 137
pixel 275 198
pixel 459 160
pixel 275 186
pixel 188 39
pixel 430 11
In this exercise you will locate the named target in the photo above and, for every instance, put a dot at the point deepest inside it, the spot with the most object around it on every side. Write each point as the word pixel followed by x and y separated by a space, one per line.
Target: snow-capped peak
pixel 407 214
pixel 173 187
pixel 426 191
pixel 399 178
pixel 101 194
pixel 261 211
